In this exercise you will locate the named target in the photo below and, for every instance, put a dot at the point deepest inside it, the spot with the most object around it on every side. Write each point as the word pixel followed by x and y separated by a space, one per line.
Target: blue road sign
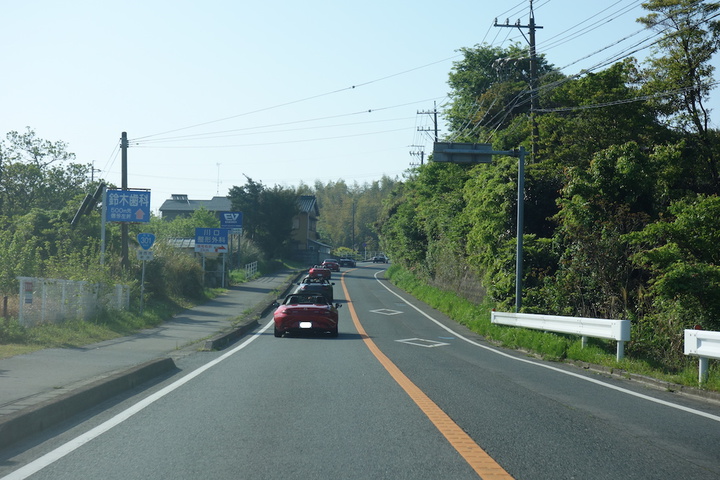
pixel 211 240
pixel 146 240
pixel 231 219
pixel 131 206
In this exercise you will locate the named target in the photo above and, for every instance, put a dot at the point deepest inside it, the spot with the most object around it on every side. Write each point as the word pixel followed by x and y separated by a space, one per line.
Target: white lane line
pixel 67 448
pixel 550 367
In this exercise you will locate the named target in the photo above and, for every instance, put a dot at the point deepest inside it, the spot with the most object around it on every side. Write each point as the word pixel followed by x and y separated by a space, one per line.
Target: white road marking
pixel 386 311
pixel 67 448
pixel 420 342
pixel 555 369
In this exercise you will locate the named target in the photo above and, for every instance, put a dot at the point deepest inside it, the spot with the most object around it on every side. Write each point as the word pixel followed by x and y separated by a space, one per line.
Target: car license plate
pixel 305 324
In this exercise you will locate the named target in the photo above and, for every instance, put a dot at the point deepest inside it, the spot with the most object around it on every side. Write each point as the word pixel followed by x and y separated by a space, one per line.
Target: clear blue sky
pixel 281 91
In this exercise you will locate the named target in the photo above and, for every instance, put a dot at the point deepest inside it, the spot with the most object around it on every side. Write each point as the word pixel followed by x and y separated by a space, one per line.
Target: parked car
pixel 331 264
pixel 347 262
pixel 320 271
pixel 306 313
pixel 380 259
pixel 315 285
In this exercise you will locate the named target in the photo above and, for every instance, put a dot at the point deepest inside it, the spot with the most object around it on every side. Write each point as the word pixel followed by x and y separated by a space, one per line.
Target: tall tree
pixel 267 214
pixel 490 86
pixel 247 199
pixel 682 72
pixel 37 173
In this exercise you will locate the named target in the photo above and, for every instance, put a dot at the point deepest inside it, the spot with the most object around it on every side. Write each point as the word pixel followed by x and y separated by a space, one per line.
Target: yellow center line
pixel 476 457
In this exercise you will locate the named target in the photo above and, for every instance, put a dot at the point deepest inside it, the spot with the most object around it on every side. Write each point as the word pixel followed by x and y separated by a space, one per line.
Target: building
pixel 179 205
pixel 305 238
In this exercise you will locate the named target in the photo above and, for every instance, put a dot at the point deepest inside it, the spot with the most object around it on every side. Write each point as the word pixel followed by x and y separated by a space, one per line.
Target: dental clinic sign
pixel 131 206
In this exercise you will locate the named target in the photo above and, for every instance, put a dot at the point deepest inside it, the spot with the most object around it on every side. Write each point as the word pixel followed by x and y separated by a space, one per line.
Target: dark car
pixel 331 264
pixel 379 259
pixel 347 262
pixel 300 313
pixel 316 286
pixel 320 271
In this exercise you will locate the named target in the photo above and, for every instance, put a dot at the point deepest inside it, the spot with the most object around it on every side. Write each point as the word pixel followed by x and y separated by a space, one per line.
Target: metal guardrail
pixel 618 330
pixel 705 345
pixel 251 269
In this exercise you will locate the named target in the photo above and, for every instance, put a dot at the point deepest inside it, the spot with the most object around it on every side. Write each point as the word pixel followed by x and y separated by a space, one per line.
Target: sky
pixel 284 92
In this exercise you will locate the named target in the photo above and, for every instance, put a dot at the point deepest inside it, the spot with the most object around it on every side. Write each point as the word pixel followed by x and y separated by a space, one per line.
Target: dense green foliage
pixel 621 194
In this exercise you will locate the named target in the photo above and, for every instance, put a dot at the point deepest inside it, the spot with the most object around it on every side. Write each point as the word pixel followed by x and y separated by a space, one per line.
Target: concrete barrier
pixel 37 418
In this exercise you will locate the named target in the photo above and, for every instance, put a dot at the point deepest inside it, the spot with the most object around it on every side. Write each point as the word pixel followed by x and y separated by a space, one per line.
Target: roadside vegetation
pixel 547 345
pixel 38 239
pixel 622 196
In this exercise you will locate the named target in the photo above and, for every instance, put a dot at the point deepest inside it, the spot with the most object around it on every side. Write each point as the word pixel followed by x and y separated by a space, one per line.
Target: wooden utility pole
pixel 531 26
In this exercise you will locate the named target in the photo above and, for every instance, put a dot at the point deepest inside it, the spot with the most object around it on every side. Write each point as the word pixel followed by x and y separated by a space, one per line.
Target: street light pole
pixel 482 153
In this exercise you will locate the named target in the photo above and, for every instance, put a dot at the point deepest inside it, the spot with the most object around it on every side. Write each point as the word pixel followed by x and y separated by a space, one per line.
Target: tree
pixel 681 73
pixel 490 86
pixel 267 215
pixel 278 207
pixel 36 173
pixel 621 192
pixel 247 199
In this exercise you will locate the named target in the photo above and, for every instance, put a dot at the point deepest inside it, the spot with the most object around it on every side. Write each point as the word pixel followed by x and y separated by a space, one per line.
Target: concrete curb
pixel 37 418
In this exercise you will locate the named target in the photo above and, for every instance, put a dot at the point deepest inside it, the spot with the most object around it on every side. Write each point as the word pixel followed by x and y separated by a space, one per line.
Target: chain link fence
pixel 49 300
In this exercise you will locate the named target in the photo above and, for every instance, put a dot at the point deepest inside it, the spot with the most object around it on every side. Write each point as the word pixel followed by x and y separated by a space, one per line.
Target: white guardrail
pixel 704 344
pixel 585 327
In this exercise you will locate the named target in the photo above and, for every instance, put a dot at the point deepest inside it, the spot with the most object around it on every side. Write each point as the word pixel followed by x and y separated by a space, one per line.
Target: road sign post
pixel 145 240
pixel 482 153
pixel 212 240
pixel 234 222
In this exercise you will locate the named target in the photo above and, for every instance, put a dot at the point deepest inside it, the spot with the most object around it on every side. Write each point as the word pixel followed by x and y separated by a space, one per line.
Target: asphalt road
pixel 402 393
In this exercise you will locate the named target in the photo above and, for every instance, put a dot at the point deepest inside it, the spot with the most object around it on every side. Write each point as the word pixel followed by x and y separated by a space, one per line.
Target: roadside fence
pixel 250 270
pixel 49 300
pixel 705 345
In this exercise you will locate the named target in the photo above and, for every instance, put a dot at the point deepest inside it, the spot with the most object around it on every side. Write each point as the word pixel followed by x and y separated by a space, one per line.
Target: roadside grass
pixel 16 339
pixel 547 345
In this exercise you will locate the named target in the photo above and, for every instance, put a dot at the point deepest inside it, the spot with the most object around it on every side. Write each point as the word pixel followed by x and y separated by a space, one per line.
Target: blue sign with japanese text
pixel 132 206
pixel 211 240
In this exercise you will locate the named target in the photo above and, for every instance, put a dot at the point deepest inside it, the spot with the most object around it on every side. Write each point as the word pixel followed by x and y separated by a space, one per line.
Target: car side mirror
pixel 276 304
pixel 332 283
pixel 337 305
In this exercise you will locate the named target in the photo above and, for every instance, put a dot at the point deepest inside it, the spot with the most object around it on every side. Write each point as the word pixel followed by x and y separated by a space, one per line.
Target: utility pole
pixel 418 153
pixel 434 113
pixel 531 26
pixel 125 257
pixel 92 172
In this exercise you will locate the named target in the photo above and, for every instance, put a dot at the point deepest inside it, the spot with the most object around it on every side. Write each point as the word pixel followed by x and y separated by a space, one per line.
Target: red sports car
pixel 301 312
pixel 320 271
pixel 317 286
pixel 331 264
